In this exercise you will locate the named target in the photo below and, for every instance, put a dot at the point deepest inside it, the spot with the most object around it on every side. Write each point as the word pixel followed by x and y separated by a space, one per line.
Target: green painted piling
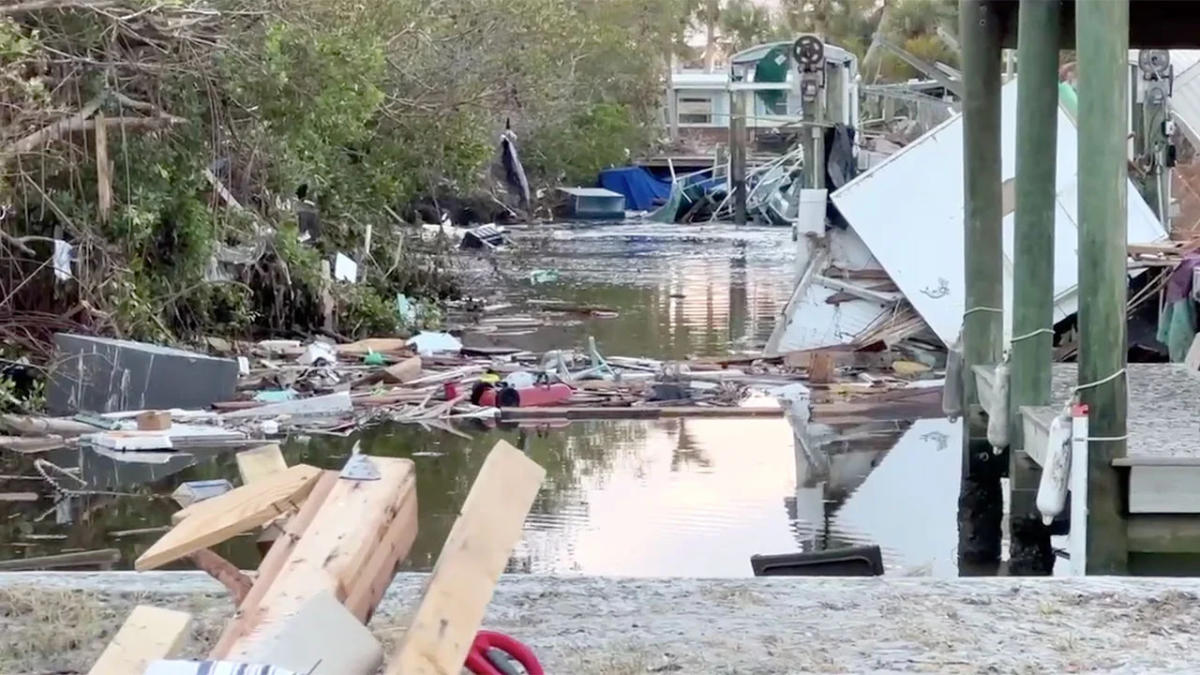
pixel 737 154
pixel 1102 36
pixel 1032 347
pixel 983 321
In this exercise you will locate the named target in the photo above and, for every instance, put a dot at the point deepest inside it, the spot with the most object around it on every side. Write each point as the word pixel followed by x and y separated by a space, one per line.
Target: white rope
pixel 971 311
pixel 1089 385
pixel 1031 334
pixel 1080 387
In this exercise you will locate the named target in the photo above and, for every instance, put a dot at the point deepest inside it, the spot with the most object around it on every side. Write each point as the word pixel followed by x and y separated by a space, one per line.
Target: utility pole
pixel 1033 270
pixel 980 498
pixel 1102 36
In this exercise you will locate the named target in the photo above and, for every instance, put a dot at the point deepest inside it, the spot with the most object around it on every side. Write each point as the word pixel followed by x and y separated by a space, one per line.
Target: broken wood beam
pixel 222 570
pixel 148 634
pixel 354 522
pixel 472 559
pixel 274 561
pixel 212 521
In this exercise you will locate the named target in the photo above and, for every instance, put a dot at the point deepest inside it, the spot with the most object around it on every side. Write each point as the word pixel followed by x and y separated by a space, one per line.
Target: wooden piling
pixel 1032 343
pixel 983 319
pixel 1102 36
pixel 737 153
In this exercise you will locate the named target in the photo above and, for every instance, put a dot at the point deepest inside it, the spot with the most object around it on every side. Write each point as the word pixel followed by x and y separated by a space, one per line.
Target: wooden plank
pixel 149 634
pixel 274 561
pixel 214 520
pixel 821 368
pixel 471 561
pixel 1164 489
pixel 104 198
pixel 333 551
pixel 373 580
pixel 258 463
pixel 103 558
pixel 222 570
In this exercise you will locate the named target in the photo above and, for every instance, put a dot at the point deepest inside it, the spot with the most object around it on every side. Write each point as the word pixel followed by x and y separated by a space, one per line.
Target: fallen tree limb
pixel 56 129
pixel 38 5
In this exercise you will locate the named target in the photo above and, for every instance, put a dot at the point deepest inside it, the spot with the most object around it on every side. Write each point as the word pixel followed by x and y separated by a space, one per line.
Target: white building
pixel 699 101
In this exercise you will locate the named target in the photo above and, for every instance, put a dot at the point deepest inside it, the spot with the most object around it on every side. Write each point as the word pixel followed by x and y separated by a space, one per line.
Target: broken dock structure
pixel 1133 458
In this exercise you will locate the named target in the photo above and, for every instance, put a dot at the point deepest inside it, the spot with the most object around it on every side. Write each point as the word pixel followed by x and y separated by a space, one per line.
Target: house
pixel 698 102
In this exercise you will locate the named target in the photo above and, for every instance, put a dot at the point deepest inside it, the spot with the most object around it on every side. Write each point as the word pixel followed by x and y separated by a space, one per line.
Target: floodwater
pixel 679 497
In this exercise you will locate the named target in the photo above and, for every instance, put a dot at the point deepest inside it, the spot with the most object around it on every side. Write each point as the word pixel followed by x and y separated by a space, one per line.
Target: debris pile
pixel 282 387
pixel 317 587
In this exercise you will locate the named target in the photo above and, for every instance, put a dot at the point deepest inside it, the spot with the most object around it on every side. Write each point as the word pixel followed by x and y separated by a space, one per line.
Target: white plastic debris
pixel 269 427
pixel 318 353
pixel 243 365
pixel 345 269
pixel 62 260
pixel 427 343
pixel 520 379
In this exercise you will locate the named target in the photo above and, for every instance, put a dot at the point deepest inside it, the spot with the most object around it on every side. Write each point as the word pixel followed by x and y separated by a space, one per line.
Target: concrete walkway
pixel 51 622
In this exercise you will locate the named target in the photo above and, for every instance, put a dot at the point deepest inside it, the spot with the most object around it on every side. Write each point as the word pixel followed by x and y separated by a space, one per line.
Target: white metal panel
pixel 1185 100
pixel 811 323
pixel 909 211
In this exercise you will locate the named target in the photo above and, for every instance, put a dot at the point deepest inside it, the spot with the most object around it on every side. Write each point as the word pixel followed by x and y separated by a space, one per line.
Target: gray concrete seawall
pixel 59 622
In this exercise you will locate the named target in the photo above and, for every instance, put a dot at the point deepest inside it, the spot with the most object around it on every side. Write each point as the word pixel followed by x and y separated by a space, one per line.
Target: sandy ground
pixel 58 623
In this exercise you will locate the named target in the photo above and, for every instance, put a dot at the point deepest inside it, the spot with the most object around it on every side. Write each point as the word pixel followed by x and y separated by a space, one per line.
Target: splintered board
pixel 361 531
pixel 469 566
pixel 214 520
pixel 149 634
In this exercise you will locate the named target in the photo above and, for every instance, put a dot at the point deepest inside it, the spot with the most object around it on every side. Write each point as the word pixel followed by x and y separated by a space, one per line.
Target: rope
pixel 1089 385
pixel 42 465
pixel 1031 334
pixel 971 311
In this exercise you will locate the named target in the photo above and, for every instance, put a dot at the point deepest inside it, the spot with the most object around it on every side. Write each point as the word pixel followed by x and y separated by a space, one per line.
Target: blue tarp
pixel 642 190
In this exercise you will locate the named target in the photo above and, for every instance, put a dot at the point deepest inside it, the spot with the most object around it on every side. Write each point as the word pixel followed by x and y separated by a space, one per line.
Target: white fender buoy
pixel 952 391
pixel 997 427
pixel 1056 471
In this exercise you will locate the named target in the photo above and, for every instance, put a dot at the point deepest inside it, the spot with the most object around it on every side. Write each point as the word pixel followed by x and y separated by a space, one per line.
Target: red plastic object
pixel 539 395
pixel 477 660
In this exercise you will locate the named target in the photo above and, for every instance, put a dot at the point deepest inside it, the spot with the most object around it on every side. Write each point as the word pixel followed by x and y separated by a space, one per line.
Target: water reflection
pixel 699 290
pixel 680 497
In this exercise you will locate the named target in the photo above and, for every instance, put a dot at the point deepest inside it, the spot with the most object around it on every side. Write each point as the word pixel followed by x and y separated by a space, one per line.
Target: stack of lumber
pixel 344 535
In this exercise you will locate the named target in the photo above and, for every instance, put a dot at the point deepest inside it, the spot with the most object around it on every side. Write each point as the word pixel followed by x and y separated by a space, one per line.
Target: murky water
pixel 694 497
pixel 679 291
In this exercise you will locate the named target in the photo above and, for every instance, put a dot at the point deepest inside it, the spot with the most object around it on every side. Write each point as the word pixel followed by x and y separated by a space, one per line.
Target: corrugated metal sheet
pixel 909 212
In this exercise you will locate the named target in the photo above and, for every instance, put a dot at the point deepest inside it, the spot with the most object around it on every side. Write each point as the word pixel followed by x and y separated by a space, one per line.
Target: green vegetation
pixel 215 111
pixel 372 104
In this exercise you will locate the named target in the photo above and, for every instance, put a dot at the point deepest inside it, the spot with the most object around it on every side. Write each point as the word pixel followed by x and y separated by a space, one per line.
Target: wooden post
pixel 737 154
pixel 1033 269
pixel 103 170
pixel 1102 36
pixel 980 499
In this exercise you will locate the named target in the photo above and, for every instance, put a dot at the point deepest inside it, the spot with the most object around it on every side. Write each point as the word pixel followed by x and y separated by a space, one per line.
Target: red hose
pixel 478 663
